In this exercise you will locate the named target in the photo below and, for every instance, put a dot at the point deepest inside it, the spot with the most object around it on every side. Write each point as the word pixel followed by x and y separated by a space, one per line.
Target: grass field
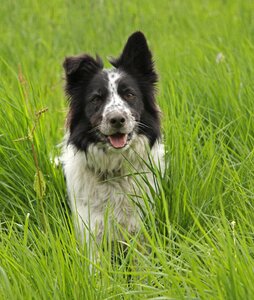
pixel 201 233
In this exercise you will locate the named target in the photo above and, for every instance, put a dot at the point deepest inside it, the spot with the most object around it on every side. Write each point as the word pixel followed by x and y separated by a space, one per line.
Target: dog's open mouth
pixel 119 140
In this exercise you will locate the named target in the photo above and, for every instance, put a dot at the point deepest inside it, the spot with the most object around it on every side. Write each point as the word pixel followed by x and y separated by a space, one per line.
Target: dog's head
pixel 112 106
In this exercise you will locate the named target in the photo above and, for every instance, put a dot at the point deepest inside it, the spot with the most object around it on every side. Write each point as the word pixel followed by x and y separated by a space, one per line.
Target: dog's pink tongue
pixel 118 140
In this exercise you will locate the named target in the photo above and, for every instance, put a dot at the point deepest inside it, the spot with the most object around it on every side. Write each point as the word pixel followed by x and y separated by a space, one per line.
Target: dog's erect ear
pixel 82 64
pixel 136 57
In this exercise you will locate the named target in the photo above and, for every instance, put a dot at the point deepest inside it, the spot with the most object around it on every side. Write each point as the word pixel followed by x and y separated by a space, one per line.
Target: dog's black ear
pixel 79 69
pixel 81 65
pixel 84 63
pixel 136 57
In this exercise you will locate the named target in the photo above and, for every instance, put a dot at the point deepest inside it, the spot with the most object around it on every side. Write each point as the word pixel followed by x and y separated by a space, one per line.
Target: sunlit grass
pixel 197 242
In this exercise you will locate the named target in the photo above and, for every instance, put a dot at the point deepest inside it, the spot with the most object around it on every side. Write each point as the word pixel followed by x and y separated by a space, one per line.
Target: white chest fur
pixel 102 181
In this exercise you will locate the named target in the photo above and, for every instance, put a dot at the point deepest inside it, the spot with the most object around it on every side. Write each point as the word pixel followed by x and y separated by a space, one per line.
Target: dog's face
pixel 111 106
pixel 114 105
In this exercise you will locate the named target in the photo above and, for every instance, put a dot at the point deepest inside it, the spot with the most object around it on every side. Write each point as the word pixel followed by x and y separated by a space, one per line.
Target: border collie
pixel 113 134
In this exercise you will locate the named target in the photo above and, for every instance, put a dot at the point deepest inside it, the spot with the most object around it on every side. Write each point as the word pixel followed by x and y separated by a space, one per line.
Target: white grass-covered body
pixel 105 181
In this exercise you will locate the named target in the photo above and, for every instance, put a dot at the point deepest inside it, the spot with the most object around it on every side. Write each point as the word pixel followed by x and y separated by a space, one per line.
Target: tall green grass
pixel 198 242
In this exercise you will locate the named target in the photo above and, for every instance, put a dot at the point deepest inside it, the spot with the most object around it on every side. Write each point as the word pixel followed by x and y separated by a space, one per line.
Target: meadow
pixel 200 234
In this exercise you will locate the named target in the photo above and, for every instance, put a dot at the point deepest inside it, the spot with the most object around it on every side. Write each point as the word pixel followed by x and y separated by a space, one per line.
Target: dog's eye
pixel 96 98
pixel 129 96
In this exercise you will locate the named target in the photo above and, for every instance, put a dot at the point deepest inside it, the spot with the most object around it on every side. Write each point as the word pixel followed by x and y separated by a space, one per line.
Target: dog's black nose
pixel 117 120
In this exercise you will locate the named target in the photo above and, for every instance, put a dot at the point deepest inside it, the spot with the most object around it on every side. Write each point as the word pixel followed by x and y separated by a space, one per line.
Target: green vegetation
pixel 201 233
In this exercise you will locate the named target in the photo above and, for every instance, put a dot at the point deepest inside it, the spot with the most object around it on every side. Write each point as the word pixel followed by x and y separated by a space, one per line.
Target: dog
pixel 113 135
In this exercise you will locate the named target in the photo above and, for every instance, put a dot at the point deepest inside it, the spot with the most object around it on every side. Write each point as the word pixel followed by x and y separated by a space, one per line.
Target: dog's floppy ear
pixel 79 70
pixel 136 57
pixel 81 65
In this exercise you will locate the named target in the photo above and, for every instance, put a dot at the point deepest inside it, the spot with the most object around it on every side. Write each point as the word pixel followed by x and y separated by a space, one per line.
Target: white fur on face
pixel 116 104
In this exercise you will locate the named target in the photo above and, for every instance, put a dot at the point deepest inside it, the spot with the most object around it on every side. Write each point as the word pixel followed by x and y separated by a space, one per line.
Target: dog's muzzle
pixel 117 126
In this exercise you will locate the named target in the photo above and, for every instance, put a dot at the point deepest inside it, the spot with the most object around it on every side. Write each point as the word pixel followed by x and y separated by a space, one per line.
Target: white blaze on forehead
pixel 115 101
pixel 113 78
pixel 117 105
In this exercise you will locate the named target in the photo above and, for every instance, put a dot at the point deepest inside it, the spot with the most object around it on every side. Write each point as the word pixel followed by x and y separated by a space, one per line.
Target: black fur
pixel 86 87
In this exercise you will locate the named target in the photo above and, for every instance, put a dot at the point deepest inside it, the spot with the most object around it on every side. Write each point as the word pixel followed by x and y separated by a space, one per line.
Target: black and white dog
pixel 113 132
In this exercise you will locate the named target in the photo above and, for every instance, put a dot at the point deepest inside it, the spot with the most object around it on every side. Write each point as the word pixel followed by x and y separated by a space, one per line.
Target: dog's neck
pixel 105 175
pixel 107 163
